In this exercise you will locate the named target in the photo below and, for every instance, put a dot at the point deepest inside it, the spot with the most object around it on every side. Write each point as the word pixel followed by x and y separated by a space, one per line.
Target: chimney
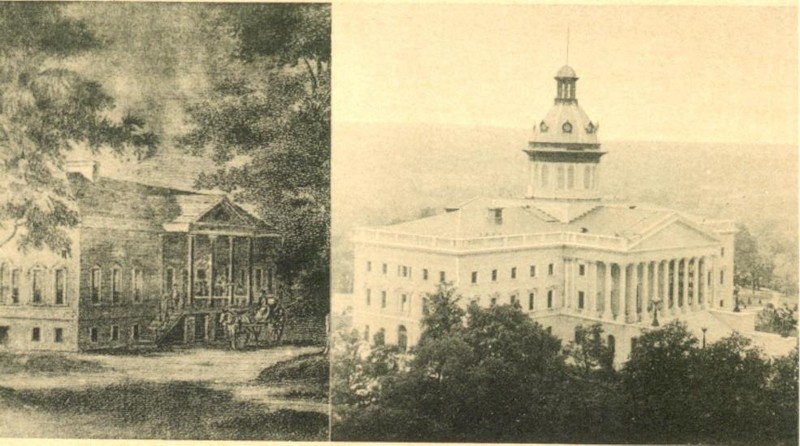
pixel 88 168
pixel 498 215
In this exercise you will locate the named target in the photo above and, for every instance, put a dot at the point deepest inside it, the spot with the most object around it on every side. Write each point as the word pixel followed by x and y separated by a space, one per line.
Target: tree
pixel 45 111
pixel 266 123
pixel 588 352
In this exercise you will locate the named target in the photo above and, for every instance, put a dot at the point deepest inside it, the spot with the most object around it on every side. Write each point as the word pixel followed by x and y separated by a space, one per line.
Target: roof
pixel 566 72
pixel 528 217
pixel 565 123
pixel 160 207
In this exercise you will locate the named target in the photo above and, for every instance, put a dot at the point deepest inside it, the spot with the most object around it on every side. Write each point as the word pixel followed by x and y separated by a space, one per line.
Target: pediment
pixel 677 233
pixel 225 213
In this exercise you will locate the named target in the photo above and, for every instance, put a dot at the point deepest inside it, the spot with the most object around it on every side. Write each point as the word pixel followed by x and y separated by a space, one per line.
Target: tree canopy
pixel 493 374
pixel 46 109
pixel 266 122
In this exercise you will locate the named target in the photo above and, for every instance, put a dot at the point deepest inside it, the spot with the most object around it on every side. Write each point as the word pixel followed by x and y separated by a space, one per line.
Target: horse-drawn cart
pixel 247 327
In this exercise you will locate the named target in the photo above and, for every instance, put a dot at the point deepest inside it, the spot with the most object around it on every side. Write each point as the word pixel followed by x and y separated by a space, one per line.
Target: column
pixel 712 294
pixel 673 285
pixel 702 287
pixel 190 268
pixel 211 274
pixel 622 301
pixel 607 292
pixel 591 298
pixel 249 270
pixel 685 291
pixel 645 291
pixel 696 285
pixel 567 284
pixel 231 281
pixel 664 296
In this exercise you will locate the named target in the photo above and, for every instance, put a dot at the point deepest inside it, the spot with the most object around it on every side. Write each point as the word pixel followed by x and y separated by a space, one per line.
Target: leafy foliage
pixel 266 123
pixel 46 110
pixel 493 374
pixel 781 320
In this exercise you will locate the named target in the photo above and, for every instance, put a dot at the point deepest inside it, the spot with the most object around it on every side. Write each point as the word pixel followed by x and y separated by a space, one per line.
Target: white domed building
pixel 564 255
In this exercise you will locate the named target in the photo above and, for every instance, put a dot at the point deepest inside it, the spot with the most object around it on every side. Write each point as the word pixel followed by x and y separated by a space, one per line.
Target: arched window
pixel 61 286
pixel 16 278
pixel 37 285
pixel 116 284
pixel 97 275
pixel 402 337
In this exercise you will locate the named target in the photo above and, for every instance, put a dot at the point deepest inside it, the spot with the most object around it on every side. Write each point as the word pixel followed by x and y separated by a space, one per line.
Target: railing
pixel 380 236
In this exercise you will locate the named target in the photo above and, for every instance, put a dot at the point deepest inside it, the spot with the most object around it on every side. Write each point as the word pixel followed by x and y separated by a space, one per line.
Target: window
pixel 498 216
pixel 384 268
pixel 580 299
pixel 530 301
pixel 474 277
pixel 58 336
pixel 369 266
pixel 514 272
pixel 402 338
pixel 369 297
pixel 37 285
pixel 96 275
pixel 442 276
pixel 567 127
pixel 138 283
pixel 116 289
pixel 587 172
pixel 93 334
pixel 513 300
pixel 36 334
pixel 383 299
pixel 493 301
pixel 115 332
pixel 135 332
pixel 582 270
pixel 550 299
pixel 570 177
pixel 722 277
pixel 550 269
pixel 405 271
pixel 494 275
pixel 424 274
pixel 722 252
pixel 403 303
pixel 533 270
pixel 61 286
pixel 366 332
pixel 15 276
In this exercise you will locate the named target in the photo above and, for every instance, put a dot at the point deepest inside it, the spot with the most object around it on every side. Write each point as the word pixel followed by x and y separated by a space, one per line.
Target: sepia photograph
pixel 164 220
pixel 565 224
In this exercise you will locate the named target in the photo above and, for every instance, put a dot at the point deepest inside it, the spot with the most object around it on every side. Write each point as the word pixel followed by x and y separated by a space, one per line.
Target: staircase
pixel 162 329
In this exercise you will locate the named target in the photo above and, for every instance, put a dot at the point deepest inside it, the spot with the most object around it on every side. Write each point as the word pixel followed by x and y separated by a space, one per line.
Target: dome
pixel 566 123
pixel 566 71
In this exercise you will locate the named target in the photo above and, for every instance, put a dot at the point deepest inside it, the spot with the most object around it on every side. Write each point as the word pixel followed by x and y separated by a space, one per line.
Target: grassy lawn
pixel 176 409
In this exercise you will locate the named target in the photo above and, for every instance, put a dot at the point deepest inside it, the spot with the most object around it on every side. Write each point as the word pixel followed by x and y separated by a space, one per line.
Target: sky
pixel 665 73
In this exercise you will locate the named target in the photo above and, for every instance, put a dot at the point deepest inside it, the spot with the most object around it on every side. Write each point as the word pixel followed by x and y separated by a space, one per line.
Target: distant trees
pixel 266 122
pixel 45 110
pixel 765 259
pixel 492 374
pixel 781 320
